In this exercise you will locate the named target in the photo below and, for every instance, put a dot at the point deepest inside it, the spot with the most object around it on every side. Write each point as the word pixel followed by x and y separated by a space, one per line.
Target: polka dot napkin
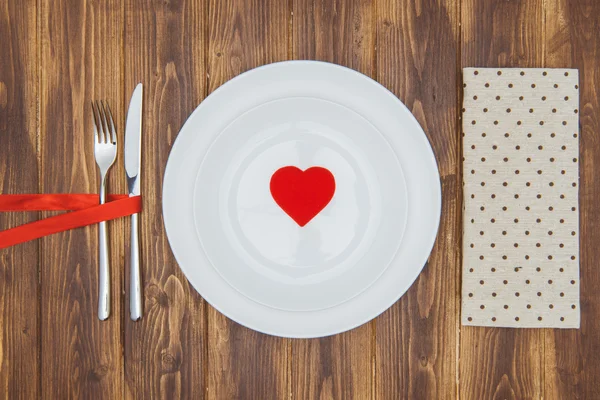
pixel 521 218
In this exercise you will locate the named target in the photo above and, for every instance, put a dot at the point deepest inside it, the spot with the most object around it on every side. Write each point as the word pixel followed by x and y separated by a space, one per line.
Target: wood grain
pixel 496 362
pixel 244 364
pixel 80 62
pixel 571 364
pixel 417 52
pixel 19 305
pixel 165 352
pixel 340 366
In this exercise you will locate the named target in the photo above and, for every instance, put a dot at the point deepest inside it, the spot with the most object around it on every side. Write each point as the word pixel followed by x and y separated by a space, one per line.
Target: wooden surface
pixel 58 55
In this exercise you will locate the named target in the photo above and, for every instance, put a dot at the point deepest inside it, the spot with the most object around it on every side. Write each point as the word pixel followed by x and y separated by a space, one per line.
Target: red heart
pixel 302 194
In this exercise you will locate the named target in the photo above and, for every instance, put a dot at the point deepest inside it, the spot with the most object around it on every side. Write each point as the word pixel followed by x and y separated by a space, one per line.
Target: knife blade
pixel 133 141
pixel 133 153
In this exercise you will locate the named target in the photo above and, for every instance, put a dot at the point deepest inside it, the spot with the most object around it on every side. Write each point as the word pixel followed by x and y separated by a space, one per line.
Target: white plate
pixel 251 260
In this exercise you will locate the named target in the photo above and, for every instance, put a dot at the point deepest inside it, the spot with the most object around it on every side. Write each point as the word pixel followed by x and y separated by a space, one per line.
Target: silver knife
pixel 133 153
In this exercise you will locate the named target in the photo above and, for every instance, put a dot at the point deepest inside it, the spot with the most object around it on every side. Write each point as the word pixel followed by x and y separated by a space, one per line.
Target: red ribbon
pixel 87 212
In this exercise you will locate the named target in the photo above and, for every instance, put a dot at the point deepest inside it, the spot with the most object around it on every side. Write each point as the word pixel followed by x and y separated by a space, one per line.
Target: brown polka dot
pixel 562 294
pixel 550 281
pixel 573 306
pixel 482 306
pixel 506 134
pixel 544 73
pixel 555 86
pixel 494 147
pixel 474 97
pixel 517 294
pixel 470 294
pixel 566 98
pixel 562 318
pixel 541 122
pixel 539 294
pixel 508 110
pixel 553 135
pixel 469 319
pixel 476 72
pixel 481 282
pixel 521 98
pixel 572 282
pixel 543 98
pixel 505 282
pixel 529 306
pixel 470 269
pixel 522 73
pixel 551 306
pixel 506 306
pixel 493 171
pixel 497 97
pixel 473 122
pixel 533 85
pixel 539 318
pixel 493 319
pixel 527 281
pixel 529 135
pixel 487 85
pixel 538 269
pixel 540 147
pixel 516 318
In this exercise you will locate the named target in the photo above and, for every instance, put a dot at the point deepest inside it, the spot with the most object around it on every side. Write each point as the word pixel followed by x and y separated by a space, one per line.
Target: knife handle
pixel 135 285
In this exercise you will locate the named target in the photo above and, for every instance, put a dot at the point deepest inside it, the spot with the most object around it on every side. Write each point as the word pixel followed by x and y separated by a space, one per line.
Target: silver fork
pixel 105 151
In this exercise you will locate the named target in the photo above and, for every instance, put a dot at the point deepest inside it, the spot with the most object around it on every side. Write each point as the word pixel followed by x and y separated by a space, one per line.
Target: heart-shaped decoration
pixel 302 194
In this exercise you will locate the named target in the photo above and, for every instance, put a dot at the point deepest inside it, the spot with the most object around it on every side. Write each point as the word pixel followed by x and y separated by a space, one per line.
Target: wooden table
pixel 58 55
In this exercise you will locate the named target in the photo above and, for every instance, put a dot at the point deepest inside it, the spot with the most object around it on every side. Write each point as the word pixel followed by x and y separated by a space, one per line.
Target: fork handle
pixel 135 285
pixel 104 268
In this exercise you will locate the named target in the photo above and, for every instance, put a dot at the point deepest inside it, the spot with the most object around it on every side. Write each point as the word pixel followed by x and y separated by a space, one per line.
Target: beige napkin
pixel 521 217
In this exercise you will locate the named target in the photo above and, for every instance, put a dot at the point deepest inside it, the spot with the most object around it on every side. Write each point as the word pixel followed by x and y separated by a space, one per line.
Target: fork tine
pixel 104 122
pixel 111 126
pixel 95 121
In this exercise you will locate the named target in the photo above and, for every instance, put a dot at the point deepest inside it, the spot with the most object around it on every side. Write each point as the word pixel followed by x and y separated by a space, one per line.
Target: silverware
pixel 105 151
pixel 133 141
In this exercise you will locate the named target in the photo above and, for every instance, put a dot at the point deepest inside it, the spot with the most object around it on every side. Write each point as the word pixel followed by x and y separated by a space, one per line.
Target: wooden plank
pixel 244 364
pixel 417 51
pixel 19 305
pixel 496 362
pixel 80 62
pixel 571 364
pixel 164 49
pixel 341 32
